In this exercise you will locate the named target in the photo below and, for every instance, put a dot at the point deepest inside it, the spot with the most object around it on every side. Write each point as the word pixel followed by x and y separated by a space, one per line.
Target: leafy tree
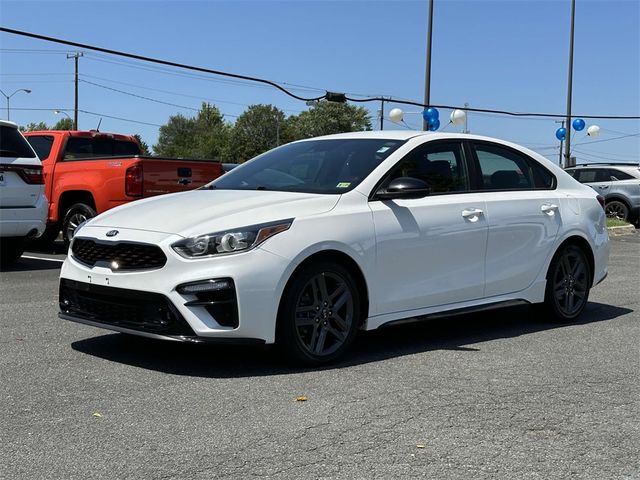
pixel 143 145
pixel 30 127
pixel 204 136
pixel 326 118
pixel 258 129
pixel 63 124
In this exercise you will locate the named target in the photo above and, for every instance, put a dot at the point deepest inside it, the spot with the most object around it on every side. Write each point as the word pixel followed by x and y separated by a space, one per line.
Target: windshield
pixel 314 166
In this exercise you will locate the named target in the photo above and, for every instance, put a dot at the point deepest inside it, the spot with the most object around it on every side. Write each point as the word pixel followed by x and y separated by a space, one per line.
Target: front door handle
pixel 549 208
pixel 472 214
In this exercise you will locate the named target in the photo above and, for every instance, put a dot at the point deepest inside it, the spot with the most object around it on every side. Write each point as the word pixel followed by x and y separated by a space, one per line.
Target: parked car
pixel 618 183
pixel 89 172
pixel 315 240
pixel 23 205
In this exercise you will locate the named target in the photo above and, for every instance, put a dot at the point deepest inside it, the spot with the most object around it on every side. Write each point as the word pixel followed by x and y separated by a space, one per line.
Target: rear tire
pixel 11 249
pixel 568 284
pixel 319 314
pixel 77 213
pixel 617 209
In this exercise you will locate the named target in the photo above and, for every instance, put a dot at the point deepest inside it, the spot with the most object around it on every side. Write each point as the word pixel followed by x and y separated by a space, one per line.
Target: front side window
pixel 41 144
pixel 314 166
pixel 439 165
pixel 505 169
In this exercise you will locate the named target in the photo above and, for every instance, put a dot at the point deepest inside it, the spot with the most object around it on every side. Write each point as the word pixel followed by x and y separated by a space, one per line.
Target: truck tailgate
pixel 162 175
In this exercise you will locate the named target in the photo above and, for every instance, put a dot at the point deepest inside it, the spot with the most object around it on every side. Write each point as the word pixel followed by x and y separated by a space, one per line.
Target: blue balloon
pixel 434 125
pixel 430 114
pixel 561 133
pixel 578 124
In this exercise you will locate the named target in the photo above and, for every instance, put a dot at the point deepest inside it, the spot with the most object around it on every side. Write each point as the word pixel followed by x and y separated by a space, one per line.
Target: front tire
pixel 77 213
pixel 319 315
pixel 568 284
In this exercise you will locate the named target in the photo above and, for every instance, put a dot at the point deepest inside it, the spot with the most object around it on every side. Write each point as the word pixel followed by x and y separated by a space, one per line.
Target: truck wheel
pixel 77 213
pixel 11 249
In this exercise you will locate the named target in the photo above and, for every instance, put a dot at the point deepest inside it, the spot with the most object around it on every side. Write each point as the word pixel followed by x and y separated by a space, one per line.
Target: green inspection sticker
pixel 343 185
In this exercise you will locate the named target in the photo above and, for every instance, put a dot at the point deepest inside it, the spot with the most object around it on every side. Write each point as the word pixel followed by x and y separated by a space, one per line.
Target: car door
pixel 429 251
pixel 597 178
pixel 522 213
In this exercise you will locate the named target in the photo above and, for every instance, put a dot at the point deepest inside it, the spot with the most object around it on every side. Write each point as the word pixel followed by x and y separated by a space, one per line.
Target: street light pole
pixel 427 75
pixel 561 144
pixel 567 145
pixel 8 97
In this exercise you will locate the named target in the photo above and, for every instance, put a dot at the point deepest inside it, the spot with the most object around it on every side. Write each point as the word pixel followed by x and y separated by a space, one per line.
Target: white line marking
pixel 43 258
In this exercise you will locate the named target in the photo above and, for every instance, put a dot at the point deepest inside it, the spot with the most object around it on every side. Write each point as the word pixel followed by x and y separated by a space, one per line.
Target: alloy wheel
pixel 324 314
pixel 616 210
pixel 75 220
pixel 571 282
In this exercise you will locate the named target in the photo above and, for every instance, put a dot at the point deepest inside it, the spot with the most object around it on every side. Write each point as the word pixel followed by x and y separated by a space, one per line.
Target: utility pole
pixel 567 145
pixel 427 75
pixel 75 57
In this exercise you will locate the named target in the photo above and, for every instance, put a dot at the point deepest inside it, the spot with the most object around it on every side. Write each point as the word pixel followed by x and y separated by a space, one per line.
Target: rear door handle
pixel 549 208
pixel 184 181
pixel 472 214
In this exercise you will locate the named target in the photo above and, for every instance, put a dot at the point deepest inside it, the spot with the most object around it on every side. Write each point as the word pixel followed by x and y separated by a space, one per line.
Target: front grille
pixel 118 255
pixel 133 309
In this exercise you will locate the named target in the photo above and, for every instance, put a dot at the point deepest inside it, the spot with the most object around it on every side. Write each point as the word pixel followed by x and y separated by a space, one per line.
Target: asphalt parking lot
pixel 493 395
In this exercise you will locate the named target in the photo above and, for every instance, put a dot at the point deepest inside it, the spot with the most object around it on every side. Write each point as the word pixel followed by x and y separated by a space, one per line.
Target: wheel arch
pixel 584 245
pixel 342 259
pixel 70 197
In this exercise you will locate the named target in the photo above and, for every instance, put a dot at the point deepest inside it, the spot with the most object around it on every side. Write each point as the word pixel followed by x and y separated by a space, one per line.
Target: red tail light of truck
pixel 133 181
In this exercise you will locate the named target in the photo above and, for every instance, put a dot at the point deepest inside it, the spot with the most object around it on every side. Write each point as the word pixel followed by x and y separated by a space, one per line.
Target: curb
pixel 618 231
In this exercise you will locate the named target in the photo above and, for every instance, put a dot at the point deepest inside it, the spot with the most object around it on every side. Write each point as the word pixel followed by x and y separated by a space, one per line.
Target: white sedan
pixel 312 241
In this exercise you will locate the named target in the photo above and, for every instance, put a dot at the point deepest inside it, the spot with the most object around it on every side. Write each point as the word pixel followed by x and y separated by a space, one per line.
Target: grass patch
pixel 614 222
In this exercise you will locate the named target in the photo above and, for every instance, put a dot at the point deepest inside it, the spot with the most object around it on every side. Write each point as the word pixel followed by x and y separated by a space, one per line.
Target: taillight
pixel 133 181
pixel 31 174
pixel 601 201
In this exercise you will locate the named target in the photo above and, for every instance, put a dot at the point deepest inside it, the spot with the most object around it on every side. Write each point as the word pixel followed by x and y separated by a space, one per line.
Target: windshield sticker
pixel 343 185
pixel 383 149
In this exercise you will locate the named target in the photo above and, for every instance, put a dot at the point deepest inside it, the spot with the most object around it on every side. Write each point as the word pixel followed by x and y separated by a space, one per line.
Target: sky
pixel 507 55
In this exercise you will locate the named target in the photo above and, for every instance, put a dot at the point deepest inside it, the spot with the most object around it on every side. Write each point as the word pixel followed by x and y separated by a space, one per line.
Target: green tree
pixel 146 151
pixel 30 127
pixel 204 136
pixel 326 118
pixel 63 124
pixel 258 129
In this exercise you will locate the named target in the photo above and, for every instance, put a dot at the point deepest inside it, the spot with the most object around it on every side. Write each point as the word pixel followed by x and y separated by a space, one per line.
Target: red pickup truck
pixel 87 173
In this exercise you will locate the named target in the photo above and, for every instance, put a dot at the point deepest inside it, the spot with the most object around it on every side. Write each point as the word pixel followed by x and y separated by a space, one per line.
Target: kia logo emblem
pixel 112 233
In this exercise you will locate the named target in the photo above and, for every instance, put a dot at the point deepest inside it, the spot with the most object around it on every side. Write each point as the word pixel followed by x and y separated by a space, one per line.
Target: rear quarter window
pixel 41 144
pixel 13 144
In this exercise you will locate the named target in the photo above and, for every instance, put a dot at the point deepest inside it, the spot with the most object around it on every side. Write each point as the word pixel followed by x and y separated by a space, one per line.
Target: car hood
pixel 207 211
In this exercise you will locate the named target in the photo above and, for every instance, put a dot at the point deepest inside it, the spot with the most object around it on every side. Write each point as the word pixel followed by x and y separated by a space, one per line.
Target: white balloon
pixel 458 116
pixel 593 131
pixel 396 115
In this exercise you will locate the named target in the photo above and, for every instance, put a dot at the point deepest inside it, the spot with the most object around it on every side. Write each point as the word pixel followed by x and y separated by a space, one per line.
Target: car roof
pixel 7 123
pixel 406 135
pixel 605 165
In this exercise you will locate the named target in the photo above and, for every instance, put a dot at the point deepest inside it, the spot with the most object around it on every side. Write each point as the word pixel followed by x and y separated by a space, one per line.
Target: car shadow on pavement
pixel 462 333
pixel 30 264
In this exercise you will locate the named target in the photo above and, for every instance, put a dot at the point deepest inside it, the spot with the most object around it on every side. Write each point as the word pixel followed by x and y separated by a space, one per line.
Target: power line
pixel 97 114
pixel 289 92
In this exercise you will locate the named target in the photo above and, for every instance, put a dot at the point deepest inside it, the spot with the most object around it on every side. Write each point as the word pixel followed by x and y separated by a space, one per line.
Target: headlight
pixel 230 241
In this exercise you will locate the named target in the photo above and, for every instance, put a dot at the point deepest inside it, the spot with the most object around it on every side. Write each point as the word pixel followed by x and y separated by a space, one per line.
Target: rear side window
pixel 619 175
pixel 505 169
pixel 590 175
pixel 97 147
pixel 13 144
pixel 41 144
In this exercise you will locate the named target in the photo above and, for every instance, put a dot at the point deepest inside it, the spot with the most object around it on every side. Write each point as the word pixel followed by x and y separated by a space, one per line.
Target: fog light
pixel 204 286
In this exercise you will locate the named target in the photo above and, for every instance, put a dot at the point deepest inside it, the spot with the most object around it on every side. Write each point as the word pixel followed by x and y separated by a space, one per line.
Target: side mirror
pixel 404 187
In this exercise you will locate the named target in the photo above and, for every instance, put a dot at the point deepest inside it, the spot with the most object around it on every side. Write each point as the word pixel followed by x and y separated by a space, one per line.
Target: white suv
pixel 23 205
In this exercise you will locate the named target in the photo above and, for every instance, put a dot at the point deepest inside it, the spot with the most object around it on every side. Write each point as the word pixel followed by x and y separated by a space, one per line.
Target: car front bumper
pixel 258 277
